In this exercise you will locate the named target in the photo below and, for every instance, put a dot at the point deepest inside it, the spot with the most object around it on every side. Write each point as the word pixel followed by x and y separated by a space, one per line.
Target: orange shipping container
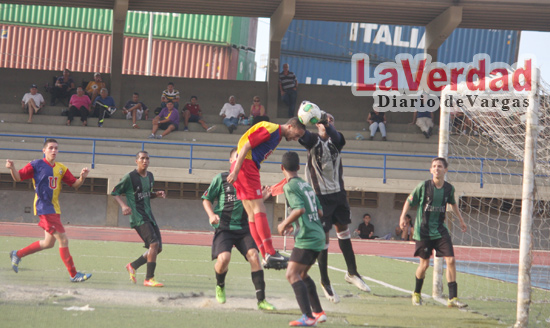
pixel 49 49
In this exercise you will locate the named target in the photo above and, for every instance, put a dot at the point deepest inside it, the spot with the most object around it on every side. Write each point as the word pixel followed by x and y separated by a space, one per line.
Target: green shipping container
pixel 246 66
pixel 219 30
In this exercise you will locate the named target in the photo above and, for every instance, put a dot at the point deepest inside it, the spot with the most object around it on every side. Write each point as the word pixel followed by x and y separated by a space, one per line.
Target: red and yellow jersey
pixel 264 137
pixel 46 180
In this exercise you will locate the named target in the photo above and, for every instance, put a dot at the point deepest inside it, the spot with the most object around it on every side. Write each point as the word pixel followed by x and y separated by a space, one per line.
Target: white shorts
pixel 139 113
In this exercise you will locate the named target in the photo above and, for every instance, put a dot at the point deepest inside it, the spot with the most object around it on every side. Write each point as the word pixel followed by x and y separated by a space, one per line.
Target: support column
pixel 280 20
pixel 440 28
pixel 120 11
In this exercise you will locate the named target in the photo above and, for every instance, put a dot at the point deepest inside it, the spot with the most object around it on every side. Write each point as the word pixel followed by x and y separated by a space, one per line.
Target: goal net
pixel 485 138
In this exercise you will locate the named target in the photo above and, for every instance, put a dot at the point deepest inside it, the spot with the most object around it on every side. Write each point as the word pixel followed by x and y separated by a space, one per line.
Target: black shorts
pixel 164 126
pixel 150 234
pixel 335 209
pixel 224 240
pixel 443 247
pixel 194 118
pixel 304 256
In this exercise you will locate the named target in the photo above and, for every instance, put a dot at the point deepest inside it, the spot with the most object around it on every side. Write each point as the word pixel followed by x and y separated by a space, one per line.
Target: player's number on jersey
pixel 312 205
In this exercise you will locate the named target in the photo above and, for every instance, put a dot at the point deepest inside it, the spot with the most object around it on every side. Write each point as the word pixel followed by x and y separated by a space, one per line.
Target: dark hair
pixel 169 102
pixel 49 141
pixel 291 161
pixel 234 149
pixel 136 94
pixel 366 215
pixel 170 83
pixel 141 152
pixel 295 123
pixel 408 216
pixel 193 97
pixel 442 160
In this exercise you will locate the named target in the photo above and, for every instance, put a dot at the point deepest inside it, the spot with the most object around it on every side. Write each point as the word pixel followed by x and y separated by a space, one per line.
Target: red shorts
pixel 51 223
pixel 248 183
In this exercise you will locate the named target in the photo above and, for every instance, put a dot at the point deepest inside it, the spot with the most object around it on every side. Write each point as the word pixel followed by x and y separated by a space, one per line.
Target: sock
pixel 256 238
pixel 68 260
pixel 262 226
pixel 138 262
pixel 32 248
pixel 322 260
pixel 300 291
pixel 150 270
pixel 349 255
pixel 453 289
pixel 313 297
pixel 418 287
pixel 259 284
pixel 220 279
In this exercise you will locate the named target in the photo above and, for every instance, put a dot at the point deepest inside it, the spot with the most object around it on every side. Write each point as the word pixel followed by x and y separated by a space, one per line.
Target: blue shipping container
pixel 329 46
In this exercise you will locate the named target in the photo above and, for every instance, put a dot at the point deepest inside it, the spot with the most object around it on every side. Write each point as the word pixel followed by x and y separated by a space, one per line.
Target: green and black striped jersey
pixel 138 192
pixel 229 208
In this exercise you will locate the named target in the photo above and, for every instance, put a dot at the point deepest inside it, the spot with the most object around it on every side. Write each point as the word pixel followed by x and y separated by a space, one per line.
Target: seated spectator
pixel 63 88
pixel 168 120
pixel 32 102
pixel 231 112
pixel 94 87
pixel 192 113
pixel 170 94
pixel 366 229
pixel 424 120
pixel 79 105
pixel 257 112
pixel 377 121
pixel 104 106
pixel 408 232
pixel 134 110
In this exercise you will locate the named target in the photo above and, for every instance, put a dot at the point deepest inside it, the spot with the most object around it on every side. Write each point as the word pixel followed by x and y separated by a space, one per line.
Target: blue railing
pixel 191 158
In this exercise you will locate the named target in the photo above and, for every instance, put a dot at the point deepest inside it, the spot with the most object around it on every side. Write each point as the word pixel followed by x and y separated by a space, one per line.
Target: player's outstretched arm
pixel 463 225
pixel 402 219
pixel 232 177
pixel 83 176
pixel 126 210
pixel 14 172
pixel 209 209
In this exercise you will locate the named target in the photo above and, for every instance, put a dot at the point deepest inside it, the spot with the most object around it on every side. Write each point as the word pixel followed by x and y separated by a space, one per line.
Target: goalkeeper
pixel 431 233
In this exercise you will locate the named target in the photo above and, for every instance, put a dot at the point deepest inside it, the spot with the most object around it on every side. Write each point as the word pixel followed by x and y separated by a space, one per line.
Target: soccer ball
pixel 309 113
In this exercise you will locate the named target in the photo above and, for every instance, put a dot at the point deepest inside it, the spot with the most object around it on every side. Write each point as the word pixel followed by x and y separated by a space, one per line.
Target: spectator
pixel 94 87
pixel 104 106
pixel 231 112
pixel 32 102
pixel 366 229
pixel 257 112
pixel 79 105
pixel 170 94
pixel 192 113
pixel 377 121
pixel 134 110
pixel 407 232
pixel 424 120
pixel 288 86
pixel 167 120
pixel 63 88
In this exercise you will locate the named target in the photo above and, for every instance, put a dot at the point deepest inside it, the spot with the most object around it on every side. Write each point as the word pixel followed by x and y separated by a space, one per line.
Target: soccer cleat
pixel 132 272
pixel 80 277
pixel 357 281
pixel 417 299
pixel 152 283
pixel 220 294
pixel 276 261
pixel 320 317
pixel 330 294
pixel 15 261
pixel 454 302
pixel 304 321
pixel 265 305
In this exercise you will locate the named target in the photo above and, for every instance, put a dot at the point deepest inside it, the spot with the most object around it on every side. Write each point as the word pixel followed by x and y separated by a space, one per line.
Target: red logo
pixel 53 182
pixel 267 154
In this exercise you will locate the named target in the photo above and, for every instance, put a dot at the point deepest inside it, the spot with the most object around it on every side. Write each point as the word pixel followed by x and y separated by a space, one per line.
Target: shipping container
pixel 219 30
pixel 246 69
pixel 313 42
pixel 27 47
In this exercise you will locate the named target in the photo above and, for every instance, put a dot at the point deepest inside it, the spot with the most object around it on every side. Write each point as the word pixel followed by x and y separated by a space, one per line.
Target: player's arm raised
pixel 14 173
pixel 83 176
pixel 232 177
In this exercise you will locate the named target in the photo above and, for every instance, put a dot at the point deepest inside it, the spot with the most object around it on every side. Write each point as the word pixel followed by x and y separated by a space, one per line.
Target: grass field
pixel 39 295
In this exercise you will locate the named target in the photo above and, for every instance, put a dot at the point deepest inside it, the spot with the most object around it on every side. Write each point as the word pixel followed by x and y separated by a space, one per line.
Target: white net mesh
pixel 485 151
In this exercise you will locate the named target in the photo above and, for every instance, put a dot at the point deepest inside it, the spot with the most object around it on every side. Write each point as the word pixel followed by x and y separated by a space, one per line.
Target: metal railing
pixel 384 168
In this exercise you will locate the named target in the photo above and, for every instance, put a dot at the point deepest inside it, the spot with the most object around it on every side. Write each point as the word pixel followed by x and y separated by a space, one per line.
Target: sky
pixel 532 43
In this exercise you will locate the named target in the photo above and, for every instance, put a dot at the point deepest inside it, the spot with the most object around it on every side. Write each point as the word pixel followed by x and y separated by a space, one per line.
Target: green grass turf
pixel 188 298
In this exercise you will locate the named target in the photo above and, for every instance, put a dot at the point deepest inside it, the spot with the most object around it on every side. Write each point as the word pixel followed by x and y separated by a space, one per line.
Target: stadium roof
pixel 488 14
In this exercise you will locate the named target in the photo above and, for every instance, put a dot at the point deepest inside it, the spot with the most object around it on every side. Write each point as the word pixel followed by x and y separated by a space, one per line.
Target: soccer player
pixel 47 176
pixel 309 240
pixel 231 223
pixel 431 197
pixel 324 172
pixel 138 188
pixel 254 147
